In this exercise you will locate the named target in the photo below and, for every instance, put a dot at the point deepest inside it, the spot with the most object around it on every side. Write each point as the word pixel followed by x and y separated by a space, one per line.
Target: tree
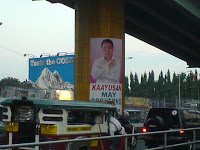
pixel 164 87
pixel 175 82
pixel 143 86
pixel 183 85
pixel 151 85
pixel 160 86
pixel 26 84
pixel 137 86
pixel 194 87
pixel 131 84
pixel 167 85
pixel 189 85
pixel 10 81
pixel 127 92
pixel 134 85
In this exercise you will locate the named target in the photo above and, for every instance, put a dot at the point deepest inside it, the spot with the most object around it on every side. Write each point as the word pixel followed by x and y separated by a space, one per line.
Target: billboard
pixel 55 72
pixel 106 71
pixel 136 102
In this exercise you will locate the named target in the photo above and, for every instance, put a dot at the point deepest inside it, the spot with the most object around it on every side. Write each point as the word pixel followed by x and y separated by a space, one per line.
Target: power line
pixel 11 50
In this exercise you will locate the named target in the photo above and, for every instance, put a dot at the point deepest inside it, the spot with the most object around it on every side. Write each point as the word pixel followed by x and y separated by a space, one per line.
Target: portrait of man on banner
pixel 106 61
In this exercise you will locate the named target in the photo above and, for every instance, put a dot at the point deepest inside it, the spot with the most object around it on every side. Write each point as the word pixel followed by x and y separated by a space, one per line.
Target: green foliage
pixel 127 92
pixel 134 85
pixel 10 81
pixel 166 87
pixel 151 85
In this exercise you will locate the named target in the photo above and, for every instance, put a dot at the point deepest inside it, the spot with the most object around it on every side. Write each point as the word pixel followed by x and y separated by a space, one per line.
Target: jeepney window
pixel 52 118
pixel 84 117
pixel 24 113
pixel 76 117
pixel 98 118
pixel 5 117
pixel 5 109
pixel 52 111
pixel 55 115
pixel 110 113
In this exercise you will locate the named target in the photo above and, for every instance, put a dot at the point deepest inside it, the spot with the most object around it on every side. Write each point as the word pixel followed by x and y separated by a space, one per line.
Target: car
pixel 2 133
pixel 161 119
pixel 136 119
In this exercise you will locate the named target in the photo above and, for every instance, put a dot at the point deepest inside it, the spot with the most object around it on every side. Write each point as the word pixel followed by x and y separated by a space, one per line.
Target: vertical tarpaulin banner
pixel 106 71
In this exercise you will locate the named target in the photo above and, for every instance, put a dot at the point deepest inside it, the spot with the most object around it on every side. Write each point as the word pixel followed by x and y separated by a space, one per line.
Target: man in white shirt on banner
pixel 107 68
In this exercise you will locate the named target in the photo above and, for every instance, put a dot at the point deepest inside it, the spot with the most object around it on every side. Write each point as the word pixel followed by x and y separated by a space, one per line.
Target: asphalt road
pixel 141 146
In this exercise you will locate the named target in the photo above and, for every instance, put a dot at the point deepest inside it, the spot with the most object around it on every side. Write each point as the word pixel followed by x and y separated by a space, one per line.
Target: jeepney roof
pixel 63 104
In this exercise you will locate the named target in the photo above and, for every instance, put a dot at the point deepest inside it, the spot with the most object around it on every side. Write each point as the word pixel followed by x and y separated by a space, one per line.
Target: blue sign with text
pixel 56 70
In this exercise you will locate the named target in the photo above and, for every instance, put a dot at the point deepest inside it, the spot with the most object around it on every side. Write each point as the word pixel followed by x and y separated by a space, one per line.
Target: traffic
pixel 28 121
pixel 38 120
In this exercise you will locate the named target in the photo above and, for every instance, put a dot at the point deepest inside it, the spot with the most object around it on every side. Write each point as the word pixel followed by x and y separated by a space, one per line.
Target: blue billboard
pixel 55 72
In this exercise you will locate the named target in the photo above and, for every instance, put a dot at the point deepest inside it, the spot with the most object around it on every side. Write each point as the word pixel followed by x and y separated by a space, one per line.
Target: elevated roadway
pixel 170 25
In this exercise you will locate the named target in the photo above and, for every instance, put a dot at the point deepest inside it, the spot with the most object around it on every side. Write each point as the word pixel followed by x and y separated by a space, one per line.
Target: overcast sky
pixel 37 27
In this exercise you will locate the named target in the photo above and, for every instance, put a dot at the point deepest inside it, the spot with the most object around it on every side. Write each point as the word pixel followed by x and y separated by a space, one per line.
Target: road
pixel 141 146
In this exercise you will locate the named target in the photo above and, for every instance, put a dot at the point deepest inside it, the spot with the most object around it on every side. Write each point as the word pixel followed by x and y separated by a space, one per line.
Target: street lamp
pixel 128 58
pixel 45 54
pixel 25 55
pixel 62 53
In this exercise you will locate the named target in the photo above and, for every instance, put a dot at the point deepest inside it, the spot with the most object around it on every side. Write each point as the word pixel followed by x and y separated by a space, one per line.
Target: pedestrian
pixel 115 128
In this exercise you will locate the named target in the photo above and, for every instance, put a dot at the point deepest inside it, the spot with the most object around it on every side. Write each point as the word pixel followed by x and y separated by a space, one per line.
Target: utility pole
pixel 179 92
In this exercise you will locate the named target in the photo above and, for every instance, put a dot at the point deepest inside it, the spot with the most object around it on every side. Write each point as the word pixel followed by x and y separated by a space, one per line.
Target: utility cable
pixel 11 50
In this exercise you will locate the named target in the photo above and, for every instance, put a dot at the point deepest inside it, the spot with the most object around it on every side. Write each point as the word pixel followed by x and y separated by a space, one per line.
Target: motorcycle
pixel 129 129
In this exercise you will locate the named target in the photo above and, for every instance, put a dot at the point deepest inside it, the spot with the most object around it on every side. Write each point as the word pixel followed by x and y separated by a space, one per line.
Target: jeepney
pixel 34 120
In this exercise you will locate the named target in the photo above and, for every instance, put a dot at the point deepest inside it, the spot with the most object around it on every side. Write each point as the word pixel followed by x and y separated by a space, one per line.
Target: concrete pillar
pixel 95 19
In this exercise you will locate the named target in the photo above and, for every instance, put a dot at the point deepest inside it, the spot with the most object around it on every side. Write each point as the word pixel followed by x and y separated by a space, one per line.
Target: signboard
pixel 49 129
pixel 136 102
pixel 106 71
pixel 55 72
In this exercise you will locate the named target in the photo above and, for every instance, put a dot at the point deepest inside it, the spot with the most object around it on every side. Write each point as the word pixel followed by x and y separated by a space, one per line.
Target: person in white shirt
pixel 115 128
pixel 107 69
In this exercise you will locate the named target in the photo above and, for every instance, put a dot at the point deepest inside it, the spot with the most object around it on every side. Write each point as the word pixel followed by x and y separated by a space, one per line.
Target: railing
pixel 37 144
pixel 193 142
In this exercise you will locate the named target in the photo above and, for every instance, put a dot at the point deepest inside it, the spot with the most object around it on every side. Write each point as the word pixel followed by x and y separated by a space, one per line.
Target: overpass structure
pixel 170 25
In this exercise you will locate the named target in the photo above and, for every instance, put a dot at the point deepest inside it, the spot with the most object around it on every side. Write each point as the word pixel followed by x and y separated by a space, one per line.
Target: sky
pixel 39 27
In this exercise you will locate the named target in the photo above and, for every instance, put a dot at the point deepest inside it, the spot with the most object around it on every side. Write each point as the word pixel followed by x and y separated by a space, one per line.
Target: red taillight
pixel 144 130
pixel 181 131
